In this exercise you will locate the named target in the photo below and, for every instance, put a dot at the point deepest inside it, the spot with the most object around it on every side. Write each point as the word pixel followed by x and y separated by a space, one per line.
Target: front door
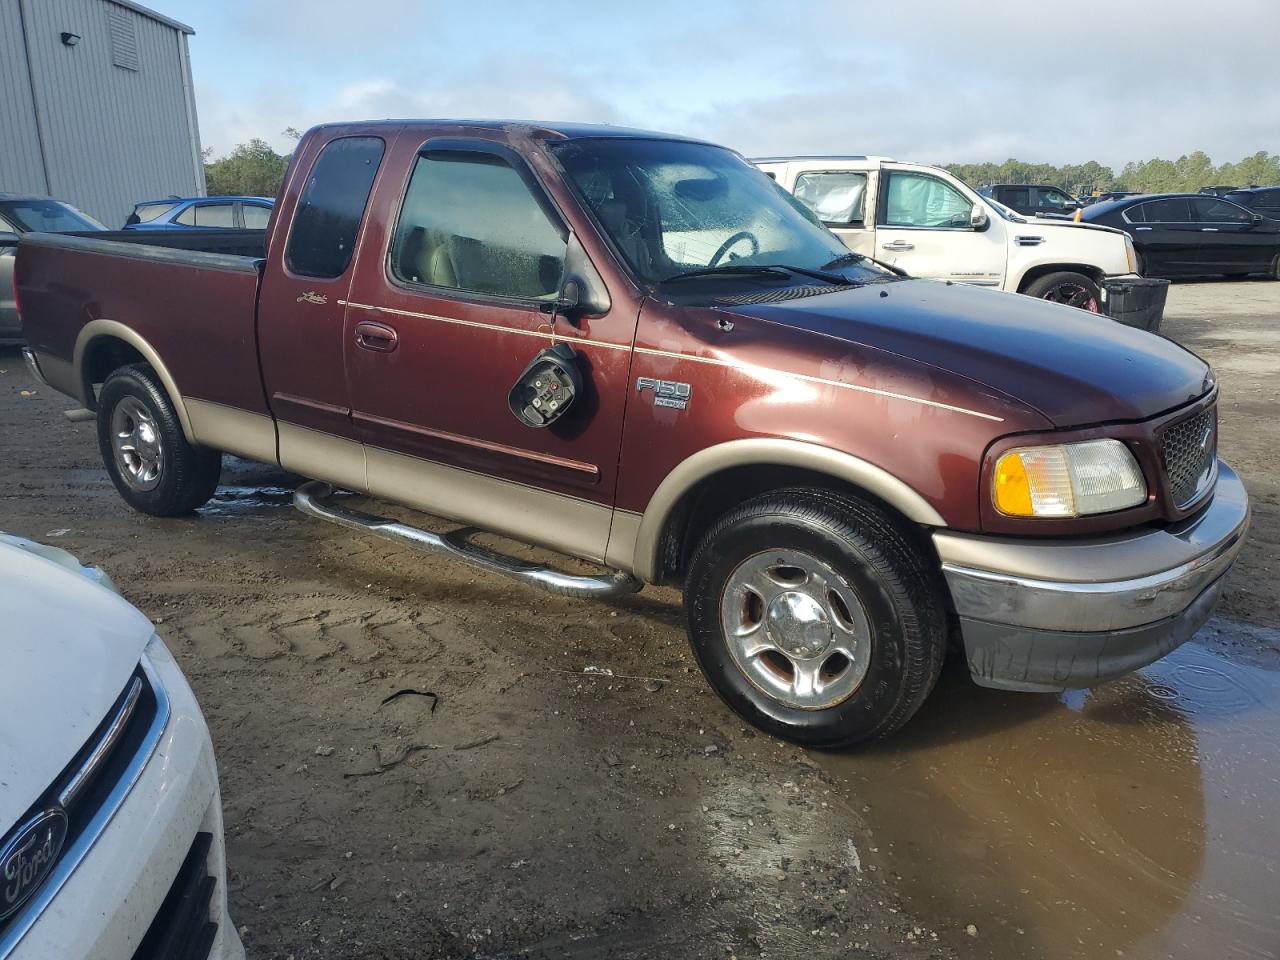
pixel 301 307
pixel 1167 237
pixel 1230 241
pixel 922 226
pixel 442 324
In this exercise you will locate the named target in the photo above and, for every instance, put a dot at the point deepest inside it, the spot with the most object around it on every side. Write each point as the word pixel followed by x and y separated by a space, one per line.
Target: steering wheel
pixel 740 235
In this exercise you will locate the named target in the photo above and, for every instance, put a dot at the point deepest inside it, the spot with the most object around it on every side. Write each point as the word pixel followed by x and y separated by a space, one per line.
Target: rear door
pixel 1230 241
pixel 303 301
pixel 1167 236
pixel 922 227
pixel 839 198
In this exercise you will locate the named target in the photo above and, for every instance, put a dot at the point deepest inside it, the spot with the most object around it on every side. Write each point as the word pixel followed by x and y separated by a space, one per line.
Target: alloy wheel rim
pixel 135 441
pixel 1073 295
pixel 796 629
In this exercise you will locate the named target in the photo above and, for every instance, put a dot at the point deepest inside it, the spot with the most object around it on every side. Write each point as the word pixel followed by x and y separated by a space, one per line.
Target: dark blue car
pixel 184 213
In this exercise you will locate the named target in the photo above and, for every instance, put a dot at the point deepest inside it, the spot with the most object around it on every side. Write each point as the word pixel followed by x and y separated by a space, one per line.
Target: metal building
pixel 96 105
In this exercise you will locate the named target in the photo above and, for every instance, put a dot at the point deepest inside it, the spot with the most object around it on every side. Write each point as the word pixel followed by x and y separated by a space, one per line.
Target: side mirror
pixel 8 238
pixel 978 218
pixel 1255 220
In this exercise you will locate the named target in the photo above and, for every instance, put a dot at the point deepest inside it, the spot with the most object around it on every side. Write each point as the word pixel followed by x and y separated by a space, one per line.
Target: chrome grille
pixel 1190 456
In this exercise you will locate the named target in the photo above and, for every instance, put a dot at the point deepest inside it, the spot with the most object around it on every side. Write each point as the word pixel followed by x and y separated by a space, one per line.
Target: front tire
pixel 1069 288
pixel 152 465
pixel 816 617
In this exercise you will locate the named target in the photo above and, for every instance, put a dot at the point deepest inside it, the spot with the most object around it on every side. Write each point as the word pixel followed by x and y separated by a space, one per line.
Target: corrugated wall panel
pixel 20 167
pixel 112 136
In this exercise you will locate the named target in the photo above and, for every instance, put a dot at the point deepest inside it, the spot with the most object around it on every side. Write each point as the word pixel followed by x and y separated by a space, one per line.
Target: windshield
pixel 47 216
pixel 674 209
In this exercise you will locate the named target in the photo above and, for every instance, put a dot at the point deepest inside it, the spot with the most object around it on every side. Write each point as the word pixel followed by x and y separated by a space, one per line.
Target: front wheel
pixel 1067 287
pixel 151 463
pixel 815 617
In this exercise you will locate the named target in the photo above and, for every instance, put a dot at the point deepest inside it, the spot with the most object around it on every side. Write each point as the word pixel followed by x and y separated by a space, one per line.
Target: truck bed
pixel 186 296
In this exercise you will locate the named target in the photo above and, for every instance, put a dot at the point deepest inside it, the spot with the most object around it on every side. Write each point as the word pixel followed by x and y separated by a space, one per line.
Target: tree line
pixel 254 169
pixel 1187 174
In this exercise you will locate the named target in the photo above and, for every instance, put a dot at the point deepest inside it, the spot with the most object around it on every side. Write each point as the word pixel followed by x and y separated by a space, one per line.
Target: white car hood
pixel 68 645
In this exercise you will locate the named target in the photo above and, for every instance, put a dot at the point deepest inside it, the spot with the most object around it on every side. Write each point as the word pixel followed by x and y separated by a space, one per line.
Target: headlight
pixel 1130 254
pixel 1067 480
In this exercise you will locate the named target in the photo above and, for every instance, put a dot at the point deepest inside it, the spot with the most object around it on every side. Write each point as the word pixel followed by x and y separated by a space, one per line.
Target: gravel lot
pixel 538 811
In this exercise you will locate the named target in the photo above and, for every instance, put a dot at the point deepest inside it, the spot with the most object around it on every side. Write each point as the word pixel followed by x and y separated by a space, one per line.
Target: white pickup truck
pixel 926 222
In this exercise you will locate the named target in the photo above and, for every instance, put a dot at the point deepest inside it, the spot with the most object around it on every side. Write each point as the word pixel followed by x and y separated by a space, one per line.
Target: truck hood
pixel 1071 366
pixel 69 646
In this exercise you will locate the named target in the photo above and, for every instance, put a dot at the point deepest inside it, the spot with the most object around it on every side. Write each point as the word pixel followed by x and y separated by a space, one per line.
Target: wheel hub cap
pixel 796 629
pixel 797 623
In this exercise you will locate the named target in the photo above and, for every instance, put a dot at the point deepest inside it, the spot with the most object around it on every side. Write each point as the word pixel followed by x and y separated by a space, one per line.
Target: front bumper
pixel 104 907
pixel 1048 615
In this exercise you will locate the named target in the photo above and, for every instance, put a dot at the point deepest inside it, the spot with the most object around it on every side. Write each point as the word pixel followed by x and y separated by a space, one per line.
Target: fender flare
pixel 768 451
pixel 102 328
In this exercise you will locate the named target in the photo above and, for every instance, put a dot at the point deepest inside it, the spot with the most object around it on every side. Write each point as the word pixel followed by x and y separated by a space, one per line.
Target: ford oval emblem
pixel 27 856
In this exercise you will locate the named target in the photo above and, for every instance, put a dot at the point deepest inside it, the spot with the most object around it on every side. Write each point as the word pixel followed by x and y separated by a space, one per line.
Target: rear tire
pixel 816 617
pixel 1067 287
pixel 152 465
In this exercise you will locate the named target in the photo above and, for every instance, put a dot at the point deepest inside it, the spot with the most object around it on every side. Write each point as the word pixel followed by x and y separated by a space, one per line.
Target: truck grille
pixel 182 929
pixel 91 788
pixel 1190 456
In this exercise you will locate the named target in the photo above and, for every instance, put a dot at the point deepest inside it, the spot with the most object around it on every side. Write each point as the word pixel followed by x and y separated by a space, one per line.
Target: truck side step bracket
pixel 311 498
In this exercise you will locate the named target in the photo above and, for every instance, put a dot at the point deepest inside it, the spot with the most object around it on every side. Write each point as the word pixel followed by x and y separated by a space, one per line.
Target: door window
pixel 1054 199
pixel 919 200
pixel 331 207
pixel 255 216
pixel 1173 210
pixel 836 197
pixel 215 215
pixel 1213 210
pixel 471 222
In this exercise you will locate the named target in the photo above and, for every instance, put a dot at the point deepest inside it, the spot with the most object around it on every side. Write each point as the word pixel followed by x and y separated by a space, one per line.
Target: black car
pixel 1032 198
pixel 1263 200
pixel 1089 200
pixel 1189 234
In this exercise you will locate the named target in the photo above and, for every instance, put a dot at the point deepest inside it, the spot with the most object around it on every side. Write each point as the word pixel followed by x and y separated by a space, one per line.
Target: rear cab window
pixel 470 222
pixel 331 208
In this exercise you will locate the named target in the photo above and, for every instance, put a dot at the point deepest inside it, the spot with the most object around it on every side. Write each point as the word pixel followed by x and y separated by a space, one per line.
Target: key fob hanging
pixel 547 388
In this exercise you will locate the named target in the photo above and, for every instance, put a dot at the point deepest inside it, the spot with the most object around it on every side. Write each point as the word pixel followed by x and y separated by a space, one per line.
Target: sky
pixel 924 80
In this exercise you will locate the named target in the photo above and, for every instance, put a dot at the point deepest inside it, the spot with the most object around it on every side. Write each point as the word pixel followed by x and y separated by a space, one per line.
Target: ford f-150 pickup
pixel 640 351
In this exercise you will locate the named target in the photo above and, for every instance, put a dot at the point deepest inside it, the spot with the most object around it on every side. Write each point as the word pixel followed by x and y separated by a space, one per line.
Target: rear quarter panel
pixel 196 310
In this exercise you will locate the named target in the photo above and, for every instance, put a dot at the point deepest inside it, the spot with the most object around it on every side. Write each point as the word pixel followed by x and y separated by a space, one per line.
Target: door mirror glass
pixel 978 217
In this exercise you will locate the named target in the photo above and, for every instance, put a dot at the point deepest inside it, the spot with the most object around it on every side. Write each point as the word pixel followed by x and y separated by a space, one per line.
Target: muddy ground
pixel 538 811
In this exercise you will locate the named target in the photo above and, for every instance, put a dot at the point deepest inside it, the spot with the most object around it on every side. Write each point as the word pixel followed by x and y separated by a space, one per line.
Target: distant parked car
pixel 1189 234
pixel 111 838
pixel 177 213
pixel 1217 191
pixel 23 214
pixel 1263 200
pixel 1032 199
pixel 1103 197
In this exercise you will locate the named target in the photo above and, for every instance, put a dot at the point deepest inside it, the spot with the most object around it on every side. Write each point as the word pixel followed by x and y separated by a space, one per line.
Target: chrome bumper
pixel 1053 614
pixel 33 365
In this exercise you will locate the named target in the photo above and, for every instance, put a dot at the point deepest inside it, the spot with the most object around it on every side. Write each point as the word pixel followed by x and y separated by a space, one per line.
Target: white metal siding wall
pixel 20 168
pixel 112 136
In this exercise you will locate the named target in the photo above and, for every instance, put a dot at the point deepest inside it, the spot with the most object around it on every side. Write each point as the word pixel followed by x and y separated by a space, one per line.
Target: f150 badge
pixel 666 393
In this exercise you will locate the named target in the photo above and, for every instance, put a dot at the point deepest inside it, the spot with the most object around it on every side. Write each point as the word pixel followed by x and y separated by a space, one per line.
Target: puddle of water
pixel 1140 819
pixel 232 499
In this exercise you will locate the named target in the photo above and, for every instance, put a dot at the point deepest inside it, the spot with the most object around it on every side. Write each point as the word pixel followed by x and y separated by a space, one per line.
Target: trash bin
pixel 1135 301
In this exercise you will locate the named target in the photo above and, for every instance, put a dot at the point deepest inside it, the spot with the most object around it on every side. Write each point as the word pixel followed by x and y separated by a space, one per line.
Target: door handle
pixel 1142 228
pixel 898 245
pixel 376 336
pixel 1208 229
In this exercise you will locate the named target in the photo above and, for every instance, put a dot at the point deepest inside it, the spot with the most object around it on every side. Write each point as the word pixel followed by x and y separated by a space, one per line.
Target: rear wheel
pixel 1067 287
pixel 815 617
pixel 151 463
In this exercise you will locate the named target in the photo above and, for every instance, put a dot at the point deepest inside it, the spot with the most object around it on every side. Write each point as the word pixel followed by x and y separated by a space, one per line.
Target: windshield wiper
pixel 832 278
pixel 848 258
pixel 743 270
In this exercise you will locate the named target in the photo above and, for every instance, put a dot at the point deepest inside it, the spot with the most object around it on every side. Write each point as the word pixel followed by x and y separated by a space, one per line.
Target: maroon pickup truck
pixel 637 350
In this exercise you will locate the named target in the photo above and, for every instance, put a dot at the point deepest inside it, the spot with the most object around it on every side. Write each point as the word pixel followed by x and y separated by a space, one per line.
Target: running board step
pixel 311 498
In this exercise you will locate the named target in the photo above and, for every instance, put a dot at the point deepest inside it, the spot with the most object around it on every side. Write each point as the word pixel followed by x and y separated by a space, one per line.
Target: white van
pixel 923 220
